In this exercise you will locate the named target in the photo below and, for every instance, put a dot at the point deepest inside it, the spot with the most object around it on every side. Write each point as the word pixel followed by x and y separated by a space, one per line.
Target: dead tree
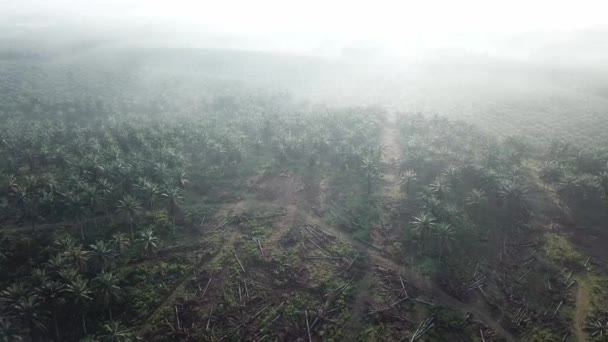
pixel 423 328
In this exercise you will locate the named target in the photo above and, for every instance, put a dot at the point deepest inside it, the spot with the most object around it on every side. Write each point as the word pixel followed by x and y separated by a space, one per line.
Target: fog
pixel 278 170
pixel 396 28
pixel 481 60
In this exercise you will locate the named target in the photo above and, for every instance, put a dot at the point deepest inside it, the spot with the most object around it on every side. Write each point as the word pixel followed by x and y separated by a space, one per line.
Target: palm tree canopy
pixel 423 221
pixel 106 284
pixel 129 206
pixel 79 290
pixel 115 332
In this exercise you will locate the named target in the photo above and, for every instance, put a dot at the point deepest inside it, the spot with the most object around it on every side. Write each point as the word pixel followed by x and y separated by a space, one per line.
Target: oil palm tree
pixel 131 208
pixel 120 243
pixel 422 224
pixel 80 293
pixel 160 172
pixel 38 276
pixel 444 234
pixel 8 331
pixel 173 197
pixel 407 179
pixel 105 189
pixel 148 241
pixel 92 199
pixel 47 204
pixel 78 211
pixel 31 313
pixel 452 173
pixel 78 257
pixel 440 188
pixel 13 293
pixel 56 263
pixel 550 172
pixel 149 191
pixel 52 292
pixel 512 193
pixel 102 254
pixel 107 289
pixel 115 332
pixel 597 326
pixel 68 274
pixel 475 198
pixel 64 243
pixel 370 170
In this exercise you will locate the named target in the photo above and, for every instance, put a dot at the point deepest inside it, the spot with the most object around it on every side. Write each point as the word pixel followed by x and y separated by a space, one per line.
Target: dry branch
pixel 206 287
pixel 239 261
pixel 557 309
pixel 331 296
pixel 560 273
pixel 529 261
pixel 179 326
pixel 242 324
pixel 322 257
pixel 423 301
pixel 524 275
pixel 367 243
pixel 424 326
pixel 390 306
pixel 569 276
pixel 403 287
pixel 220 225
pixel 350 264
pixel 269 216
pixel 246 289
pixel 259 246
pixel 209 320
pixel 307 325
pixel 240 296
pixel 477 283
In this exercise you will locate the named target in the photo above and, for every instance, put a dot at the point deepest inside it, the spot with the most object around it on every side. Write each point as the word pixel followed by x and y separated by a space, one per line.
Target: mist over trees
pixel 381 181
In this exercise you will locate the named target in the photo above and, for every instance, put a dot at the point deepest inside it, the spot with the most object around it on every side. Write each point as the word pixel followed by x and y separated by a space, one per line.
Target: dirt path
pixel 390 197
pixel 355 326
pixel 544 198
pixel 582 307
pixel 390 160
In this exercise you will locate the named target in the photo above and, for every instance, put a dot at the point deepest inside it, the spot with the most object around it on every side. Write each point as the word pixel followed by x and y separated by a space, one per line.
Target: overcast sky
pixel 310 26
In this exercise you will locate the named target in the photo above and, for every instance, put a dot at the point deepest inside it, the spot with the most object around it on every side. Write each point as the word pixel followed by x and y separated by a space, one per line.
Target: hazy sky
pixel 311 25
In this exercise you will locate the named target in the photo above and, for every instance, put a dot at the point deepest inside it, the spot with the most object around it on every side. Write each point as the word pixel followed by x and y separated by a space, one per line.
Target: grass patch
pixel 558 249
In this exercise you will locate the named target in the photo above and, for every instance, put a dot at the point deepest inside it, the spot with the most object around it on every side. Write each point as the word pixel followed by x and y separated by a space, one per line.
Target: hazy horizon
pixel 536 31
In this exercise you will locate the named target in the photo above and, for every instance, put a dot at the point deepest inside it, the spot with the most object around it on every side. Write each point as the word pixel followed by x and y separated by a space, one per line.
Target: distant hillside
pixel 537 101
